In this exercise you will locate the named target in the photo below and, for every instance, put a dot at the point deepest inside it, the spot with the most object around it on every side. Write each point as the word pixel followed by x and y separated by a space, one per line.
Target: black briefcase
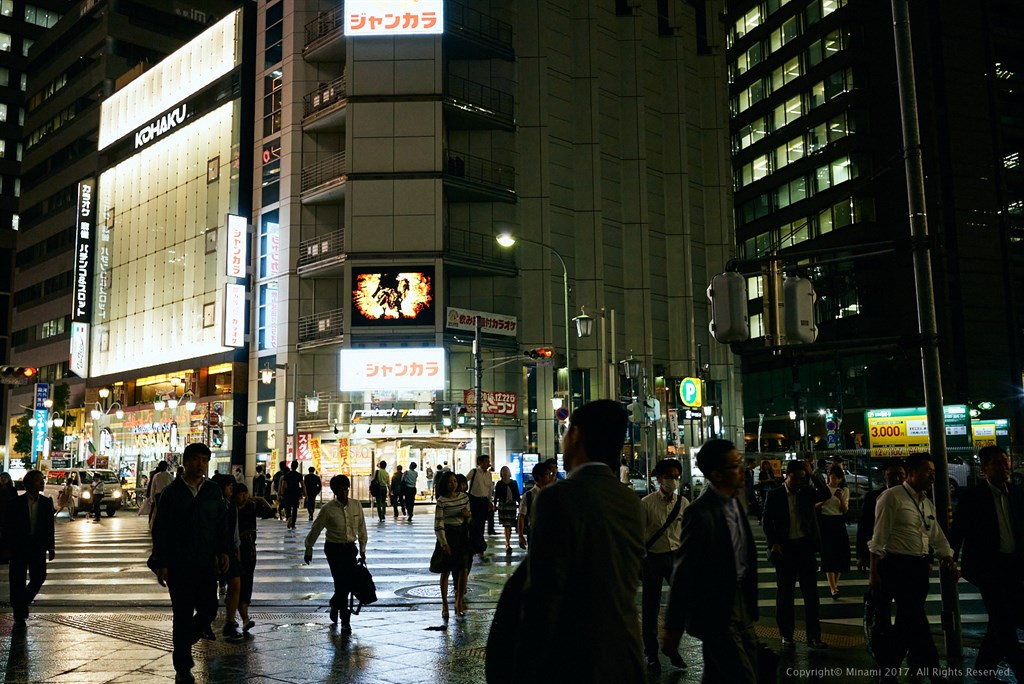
pixel 364 591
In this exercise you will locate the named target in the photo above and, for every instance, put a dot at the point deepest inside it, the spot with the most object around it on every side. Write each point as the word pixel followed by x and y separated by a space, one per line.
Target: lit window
pixel 15 222
pixel 755 287
pixel 841 170
pixel 5 42
pixel 7 7
pixel 1011 161
pixel 760 165
pixel 756 326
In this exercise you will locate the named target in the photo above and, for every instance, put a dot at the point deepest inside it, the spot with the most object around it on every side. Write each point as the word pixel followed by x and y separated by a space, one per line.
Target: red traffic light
pixel 28 372
pixel 540 353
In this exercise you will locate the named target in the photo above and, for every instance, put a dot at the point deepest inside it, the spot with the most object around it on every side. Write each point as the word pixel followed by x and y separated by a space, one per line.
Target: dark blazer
pixel 579 617
pixel 16 532
pixel 976 530
pixel 775 520
pixel 704 584
pixel 190 531
pixel 500 494
pixel 866 524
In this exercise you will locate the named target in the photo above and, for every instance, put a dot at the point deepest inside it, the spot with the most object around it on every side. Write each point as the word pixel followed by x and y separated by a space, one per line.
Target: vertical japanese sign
pixel 305 450
pixel 41 415
pixel 234 315
pixel 81 300
pixel 238 246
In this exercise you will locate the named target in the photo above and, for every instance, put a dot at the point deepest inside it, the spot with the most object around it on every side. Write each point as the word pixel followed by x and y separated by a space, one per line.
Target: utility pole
pixel 478 385
pixel 927 328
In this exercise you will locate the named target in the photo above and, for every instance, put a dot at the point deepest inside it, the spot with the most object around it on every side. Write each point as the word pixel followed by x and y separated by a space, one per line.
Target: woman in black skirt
pixel 835 542
pixel 506 500
pixel 452 553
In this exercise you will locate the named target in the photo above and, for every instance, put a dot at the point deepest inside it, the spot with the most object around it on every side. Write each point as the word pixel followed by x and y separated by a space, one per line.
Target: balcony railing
pixel 323 171
pixel 324 97
pixel 460 90
pixel 468 167
pixel 326 325
pixel 321 248
pixel 477 246
pixel 461 18
pixel 325 24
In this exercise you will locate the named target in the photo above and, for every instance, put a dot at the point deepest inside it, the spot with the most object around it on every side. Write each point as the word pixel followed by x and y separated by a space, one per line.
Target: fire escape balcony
pixel 323 256
pixel 323 182
pixel 471 34
pixel 321 328
pixel 476 254
pixel 323 110
pixel 472 179
pixel 325 37
pixel 471 105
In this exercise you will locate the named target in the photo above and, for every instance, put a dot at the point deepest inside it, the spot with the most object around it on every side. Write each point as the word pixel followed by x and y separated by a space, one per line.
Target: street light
pixel 506 239
pixel 266 377
pixel 585 328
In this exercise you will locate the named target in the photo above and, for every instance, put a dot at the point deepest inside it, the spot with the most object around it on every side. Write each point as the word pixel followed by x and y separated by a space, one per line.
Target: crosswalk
pixel 100 566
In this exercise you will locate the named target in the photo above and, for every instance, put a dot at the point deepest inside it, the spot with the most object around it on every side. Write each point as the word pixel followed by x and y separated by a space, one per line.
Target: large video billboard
pixel 388 297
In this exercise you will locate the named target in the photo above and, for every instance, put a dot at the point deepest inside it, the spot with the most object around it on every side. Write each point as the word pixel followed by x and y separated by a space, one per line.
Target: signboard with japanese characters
pixel 394 17
pixel 494 403
pixel 238 246
pixel 85 245
pixel 490 323
pixel 234 315
pixel 387 369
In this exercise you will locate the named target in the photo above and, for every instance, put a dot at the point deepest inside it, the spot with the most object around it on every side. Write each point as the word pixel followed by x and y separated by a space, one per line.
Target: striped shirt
pixel 449 511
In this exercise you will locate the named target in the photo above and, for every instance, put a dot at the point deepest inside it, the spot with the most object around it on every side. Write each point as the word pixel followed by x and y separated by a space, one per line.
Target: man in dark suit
pixel 989 531
pixel 29 531
pixel 714 585
pixel 791 532
pixel 582 572
pixel 894 474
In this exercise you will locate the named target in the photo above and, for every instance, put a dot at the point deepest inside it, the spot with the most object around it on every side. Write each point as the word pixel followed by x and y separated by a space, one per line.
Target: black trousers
pixel 246 575
pixel 29 563
pixel 291 511
pixel 1003 594
pixel 193 607
pixel 310 505
pixel 480 508
pixel 656 570
pixel 732 657
pixel 905 579
pixel 409 500
pixel 342 560
pixel 97 503
pixel 797 564
pixel 381 503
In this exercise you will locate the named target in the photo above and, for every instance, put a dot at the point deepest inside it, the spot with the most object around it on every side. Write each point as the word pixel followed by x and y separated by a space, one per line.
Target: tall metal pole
pixel 565 303
pixel 478 385
pixel 927 327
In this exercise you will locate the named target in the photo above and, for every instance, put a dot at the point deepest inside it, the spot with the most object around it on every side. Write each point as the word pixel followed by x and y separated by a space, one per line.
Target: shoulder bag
pixel 668 521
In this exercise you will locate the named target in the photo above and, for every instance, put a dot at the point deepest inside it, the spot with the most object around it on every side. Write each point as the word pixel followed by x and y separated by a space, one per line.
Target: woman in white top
pixel 835 541
pixel 450 516
pixel 345 525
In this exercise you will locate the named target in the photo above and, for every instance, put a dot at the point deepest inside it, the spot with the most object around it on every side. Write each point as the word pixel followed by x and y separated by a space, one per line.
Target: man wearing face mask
pixel 663 517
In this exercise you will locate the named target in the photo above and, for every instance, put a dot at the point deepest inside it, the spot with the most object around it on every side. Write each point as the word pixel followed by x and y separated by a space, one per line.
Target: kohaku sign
pixel 392 369
pixel 161 125
pixel 899 432
pixel 394 17
pixel 691 392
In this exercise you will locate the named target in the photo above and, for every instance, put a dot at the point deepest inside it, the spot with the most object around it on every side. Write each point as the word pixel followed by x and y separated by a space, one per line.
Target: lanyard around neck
pixel 919 508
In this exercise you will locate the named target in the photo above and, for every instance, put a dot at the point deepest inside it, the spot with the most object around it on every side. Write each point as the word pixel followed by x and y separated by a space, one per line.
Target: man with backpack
pixel 313 487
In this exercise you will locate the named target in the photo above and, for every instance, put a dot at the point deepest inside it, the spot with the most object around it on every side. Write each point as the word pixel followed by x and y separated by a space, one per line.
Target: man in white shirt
pixel 161 478
pixel 663 519
pixel 481 491
pixel 905 526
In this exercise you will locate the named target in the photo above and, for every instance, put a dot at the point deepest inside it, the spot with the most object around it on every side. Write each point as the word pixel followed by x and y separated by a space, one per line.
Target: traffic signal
pixel 798 318
pixel 17 375
pixel 728 296
pixel 540 353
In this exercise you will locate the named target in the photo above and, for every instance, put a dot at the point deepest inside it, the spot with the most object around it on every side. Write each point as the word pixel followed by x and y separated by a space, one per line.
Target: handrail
pixel 461 165
pixel 321 248
pixel 325 23
pixel 481 95
pixel 323 171
pixel 474 21
pixel 325 325
pixel 483 247
pixel 325 96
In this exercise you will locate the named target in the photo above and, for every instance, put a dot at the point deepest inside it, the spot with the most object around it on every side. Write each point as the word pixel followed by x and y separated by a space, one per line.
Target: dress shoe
pixel 207 633
pixel 346 630
pixel 231 630
pixel 653 664
pixel 674 658
pixel 249 624
pixel 787 642
pixel 334 614
pixel 816 645
pixel 835 595
pixel 184 678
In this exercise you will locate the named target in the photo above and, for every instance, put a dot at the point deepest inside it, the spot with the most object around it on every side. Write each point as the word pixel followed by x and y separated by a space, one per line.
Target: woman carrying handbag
pixel 506 500
pixel 451 553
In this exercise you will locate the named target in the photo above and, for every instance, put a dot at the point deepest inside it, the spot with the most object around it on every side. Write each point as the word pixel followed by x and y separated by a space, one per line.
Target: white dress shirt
pixel 834 505
pixel 1002 502
pixel 481 484
pixel 656 509
pixel 905 524
pixel 345 524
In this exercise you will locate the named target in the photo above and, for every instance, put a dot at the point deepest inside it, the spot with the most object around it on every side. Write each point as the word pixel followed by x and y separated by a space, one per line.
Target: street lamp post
pixel 267 377
pixel 585 328
pixel 508 240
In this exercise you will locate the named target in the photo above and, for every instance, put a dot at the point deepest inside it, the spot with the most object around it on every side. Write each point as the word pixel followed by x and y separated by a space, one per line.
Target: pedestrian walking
pixel 989 531
pixel 291 493
pixel 8 494
pixel 29 537
pixel 275 489
pixel 582 571
pixel 397 501
pixel 663 520
pixel 157 484
pixel 835 542
pixel 313 486
pixel 259 483
pixel 714 586
pixel 430 481
pixel 343 519
pixel 451 516
pixel 97 491
pixel 543 474
pixel 230 580
pixel 190 546
pixel 507 500
pixel 380 489
pixel 66 500
pixel 905 526
pixel 249 510
pixel 624 471
pixel 481 493
pixel 409 490
pixel 893 475
pixel 794 540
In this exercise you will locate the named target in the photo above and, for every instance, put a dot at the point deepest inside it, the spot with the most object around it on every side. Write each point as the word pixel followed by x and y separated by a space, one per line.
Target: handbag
pixel 437 559
pixel 374 487
pixel 147 505
pixel 364 591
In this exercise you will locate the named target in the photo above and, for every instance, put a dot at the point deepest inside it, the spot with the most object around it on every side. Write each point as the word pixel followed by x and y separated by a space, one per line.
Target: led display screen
pixel 393 297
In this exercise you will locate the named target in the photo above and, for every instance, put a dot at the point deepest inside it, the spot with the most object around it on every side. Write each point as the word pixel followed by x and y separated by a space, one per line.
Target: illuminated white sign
pixel 79 361
pixel 273 250
pixel 81 310
pixel 238 247
pixel 392 369
pixel 234 315
pixel 394 17
pixel 158 127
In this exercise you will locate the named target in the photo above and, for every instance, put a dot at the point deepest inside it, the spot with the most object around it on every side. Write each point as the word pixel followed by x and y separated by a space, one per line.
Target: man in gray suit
pixel 582 572
pixel 714 585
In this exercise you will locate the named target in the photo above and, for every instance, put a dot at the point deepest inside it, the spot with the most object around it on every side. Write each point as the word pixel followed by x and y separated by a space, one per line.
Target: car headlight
pixel 117 493
pixel 86 495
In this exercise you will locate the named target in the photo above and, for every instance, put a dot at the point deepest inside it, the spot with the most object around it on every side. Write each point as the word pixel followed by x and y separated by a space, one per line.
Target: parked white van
pixel 81 481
